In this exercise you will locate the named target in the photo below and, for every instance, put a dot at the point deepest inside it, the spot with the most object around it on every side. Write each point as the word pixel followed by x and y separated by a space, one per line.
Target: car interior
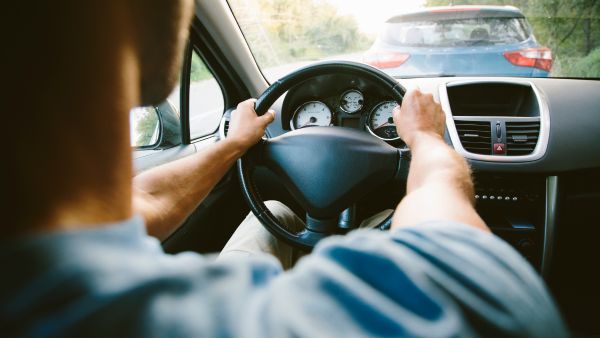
pixel 539 189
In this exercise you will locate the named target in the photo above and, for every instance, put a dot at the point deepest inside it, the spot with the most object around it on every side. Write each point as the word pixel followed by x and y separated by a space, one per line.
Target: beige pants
pixel 252 238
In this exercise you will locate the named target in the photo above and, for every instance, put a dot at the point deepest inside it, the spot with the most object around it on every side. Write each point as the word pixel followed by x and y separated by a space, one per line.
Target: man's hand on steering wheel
pixel 439 186
pixel 419 114
pixel 246 128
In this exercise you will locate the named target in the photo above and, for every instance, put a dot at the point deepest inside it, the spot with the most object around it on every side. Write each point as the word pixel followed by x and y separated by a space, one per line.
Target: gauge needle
pixel 307 124
pixel 382 125
pixel 310 121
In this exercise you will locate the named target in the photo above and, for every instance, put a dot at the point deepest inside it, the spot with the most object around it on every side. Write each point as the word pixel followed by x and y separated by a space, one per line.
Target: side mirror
pixel 144 127
pixel 155 127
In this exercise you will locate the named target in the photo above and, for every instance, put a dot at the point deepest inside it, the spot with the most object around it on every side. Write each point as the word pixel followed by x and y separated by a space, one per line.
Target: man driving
pixel 77 257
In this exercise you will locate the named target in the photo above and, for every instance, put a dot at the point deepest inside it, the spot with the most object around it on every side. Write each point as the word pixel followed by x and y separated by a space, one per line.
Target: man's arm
pixel 436 279
pixel 439 182
pixel 166 195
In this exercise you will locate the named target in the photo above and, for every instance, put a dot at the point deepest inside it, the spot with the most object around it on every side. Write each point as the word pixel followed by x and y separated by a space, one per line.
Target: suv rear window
pixel 457 32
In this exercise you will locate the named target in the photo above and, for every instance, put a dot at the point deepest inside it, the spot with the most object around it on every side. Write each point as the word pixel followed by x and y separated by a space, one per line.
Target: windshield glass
pixel 455 33
pixel 421 38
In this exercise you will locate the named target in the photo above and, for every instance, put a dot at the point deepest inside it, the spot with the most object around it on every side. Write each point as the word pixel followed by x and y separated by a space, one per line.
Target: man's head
pixel 74 69
pixel 161 39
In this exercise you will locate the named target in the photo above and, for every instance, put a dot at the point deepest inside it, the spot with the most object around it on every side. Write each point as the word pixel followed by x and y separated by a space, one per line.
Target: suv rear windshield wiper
pixel 425 76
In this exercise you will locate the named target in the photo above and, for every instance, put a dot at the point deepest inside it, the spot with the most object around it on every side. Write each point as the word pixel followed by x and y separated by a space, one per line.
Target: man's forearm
pixel 434 162
pixel 439 186
pixel 166 195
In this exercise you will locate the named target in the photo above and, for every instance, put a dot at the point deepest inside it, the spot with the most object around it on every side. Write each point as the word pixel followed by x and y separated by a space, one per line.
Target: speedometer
pixel 311 114
pixel 381 122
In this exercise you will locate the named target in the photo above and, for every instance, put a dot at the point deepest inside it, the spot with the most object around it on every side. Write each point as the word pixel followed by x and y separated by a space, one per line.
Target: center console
pixel 506 122
pixel 515 207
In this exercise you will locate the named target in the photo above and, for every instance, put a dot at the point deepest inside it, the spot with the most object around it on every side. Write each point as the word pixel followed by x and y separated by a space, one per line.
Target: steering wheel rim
pixel 307 239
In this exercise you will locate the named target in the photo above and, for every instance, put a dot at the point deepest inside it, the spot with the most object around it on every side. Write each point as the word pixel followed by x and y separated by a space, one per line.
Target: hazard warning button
pixel 499 148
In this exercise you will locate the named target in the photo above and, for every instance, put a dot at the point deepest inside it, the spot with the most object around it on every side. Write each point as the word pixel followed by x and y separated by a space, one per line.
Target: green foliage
pixel 283 31
pixel 588 66
pixel 571 28
pixel 198 70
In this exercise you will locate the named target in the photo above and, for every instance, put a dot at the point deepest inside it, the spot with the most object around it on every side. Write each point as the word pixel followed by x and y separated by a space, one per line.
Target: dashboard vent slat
pixel 475 136
pixel 521 137
pixel 226 127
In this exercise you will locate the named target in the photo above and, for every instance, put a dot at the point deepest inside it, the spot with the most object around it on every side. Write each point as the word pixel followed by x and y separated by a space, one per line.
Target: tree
pixel 282 31
pixel 570 28
pixel 198 70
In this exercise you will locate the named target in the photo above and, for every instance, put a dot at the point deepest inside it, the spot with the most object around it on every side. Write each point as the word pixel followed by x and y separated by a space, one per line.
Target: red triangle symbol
pixel 499 148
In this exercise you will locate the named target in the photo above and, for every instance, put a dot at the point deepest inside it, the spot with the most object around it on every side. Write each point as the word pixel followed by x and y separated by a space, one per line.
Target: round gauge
pixel 311 114
pixel 381 123
pixel 351 101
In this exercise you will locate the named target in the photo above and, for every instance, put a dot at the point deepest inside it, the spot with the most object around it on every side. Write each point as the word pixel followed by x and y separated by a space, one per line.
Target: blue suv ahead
pixel 460 40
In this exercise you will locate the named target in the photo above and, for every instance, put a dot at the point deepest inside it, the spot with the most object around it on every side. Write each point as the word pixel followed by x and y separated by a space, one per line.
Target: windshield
pixel 422 38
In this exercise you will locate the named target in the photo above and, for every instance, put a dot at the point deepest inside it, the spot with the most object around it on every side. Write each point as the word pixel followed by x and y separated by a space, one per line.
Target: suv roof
pixel 458 12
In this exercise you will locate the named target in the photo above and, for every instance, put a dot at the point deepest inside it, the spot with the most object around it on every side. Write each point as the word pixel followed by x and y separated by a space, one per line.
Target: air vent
pixel 521 137
pixel 475 136
pixel 225 127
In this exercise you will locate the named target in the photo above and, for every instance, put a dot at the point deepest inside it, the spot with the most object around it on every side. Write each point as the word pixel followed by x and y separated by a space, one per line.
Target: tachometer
pixel 311 114
pixel 351 101
pixel 381 123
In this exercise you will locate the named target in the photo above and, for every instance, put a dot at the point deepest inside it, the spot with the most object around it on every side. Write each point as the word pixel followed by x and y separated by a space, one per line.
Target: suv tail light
pixel 386 59
pixel 540 58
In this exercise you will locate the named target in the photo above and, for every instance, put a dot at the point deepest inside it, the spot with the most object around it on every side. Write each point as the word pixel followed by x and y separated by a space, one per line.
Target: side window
pixel 159 126
pixel 206 99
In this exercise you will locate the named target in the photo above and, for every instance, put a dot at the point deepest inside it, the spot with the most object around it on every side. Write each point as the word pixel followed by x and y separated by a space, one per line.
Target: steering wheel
pixel 311 162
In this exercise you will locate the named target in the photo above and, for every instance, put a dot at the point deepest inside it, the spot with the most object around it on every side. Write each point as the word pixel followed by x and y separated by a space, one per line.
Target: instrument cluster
pixel 351 109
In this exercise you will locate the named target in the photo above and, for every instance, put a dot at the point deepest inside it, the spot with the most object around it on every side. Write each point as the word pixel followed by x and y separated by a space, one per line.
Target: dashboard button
pixel 499 148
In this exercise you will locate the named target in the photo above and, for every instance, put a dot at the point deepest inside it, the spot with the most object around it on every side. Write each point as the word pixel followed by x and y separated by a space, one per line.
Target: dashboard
pixel 531 119
pixel 341 101
pixel 540 193
pixel 567 107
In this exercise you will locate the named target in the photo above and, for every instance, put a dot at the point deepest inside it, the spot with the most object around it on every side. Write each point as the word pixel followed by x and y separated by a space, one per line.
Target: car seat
pixel 480 34
pixel 414 36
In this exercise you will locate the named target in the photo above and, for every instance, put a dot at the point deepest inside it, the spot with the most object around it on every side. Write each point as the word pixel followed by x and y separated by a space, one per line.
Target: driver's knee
pixel 278 209
pixel 285 216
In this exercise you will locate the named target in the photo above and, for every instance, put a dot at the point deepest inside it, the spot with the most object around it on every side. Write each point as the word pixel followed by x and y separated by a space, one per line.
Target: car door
pixel 185 124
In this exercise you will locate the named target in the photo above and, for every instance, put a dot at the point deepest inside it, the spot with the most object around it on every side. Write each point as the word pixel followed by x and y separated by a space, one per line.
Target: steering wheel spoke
pixel 310 238
pixel 347 218
pixel 404 157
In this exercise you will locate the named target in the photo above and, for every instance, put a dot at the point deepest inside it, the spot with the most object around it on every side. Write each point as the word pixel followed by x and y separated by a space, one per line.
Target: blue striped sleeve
pixel 435 279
